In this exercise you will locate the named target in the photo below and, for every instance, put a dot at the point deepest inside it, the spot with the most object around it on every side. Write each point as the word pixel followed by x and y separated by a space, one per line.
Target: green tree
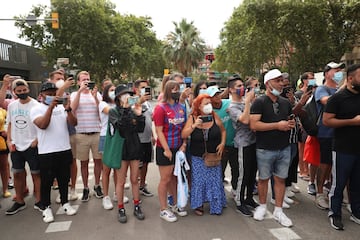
pixel 97 38
pixel 294 35
pixel 184 48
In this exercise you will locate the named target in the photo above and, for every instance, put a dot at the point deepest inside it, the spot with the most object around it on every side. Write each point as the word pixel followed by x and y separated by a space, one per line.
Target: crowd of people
pixel 256 129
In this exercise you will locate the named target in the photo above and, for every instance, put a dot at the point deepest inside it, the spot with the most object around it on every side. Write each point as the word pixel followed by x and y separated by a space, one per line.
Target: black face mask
pixel 22 96
pixel 175 96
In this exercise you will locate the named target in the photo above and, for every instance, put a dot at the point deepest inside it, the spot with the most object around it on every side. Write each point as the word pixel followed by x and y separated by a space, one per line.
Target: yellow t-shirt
pixel 2 119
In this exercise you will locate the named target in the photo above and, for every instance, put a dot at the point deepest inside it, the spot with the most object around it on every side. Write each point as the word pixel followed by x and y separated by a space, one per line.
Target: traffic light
pixel 55 20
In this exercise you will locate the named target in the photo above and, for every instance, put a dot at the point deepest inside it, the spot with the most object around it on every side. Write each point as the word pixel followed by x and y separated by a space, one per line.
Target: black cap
pixel 121 89
pixel 48 86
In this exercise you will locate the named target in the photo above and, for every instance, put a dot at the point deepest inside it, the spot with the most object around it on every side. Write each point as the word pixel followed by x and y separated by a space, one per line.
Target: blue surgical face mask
pixel 275 92
pixel 311 82
pixel 338 76
pixel 257 90
pixel 112 95
pixel 202 91
pixel 48 99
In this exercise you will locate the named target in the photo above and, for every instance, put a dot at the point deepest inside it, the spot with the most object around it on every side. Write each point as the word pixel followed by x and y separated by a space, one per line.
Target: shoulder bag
pixel 113 147
pixel 210 159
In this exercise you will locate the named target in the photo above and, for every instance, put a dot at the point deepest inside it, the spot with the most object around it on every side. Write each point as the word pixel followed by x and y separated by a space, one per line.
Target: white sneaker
pixel 107 204
pixel 68 209
pixel 288 200
pixel 125 200
pixel 73 195
pixel 115 197
pixel 259 213
pixel 281 218
pixel 295 188
pixel 354 219
pixel 168 215
pixel 127 185
pixel 348 207
pixel 284 205
pixel 321 201
pixel 179 211
pixel 48 215
pixel 289 193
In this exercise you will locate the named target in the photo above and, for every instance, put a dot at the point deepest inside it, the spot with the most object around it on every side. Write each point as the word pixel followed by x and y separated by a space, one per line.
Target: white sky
pixel 208 16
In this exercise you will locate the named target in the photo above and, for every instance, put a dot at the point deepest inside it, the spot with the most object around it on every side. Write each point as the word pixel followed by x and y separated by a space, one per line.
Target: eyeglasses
pixel 276 108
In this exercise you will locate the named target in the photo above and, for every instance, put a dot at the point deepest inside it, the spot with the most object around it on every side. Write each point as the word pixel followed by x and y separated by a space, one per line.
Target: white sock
pixel 277 209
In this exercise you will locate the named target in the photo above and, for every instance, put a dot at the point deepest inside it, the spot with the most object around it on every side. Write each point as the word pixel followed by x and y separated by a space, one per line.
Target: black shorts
pixel 326 150
pixel 30 155
pixel 146 152
pixel 161 160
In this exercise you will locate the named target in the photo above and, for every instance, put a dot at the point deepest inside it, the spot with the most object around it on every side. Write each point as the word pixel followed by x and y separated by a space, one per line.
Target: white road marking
pixel 284 234
pixel 58 227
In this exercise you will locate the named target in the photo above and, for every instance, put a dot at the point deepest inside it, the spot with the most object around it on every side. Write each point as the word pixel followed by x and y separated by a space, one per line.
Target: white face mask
pixel 142 91
pixel 112 95
pixel 60 83
pixel 207 109
pixel 124 97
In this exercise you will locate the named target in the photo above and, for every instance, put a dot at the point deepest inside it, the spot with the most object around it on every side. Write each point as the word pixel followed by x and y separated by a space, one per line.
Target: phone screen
pixel 91 85
pixel 206 118
pixel 188 81
pixel 148 90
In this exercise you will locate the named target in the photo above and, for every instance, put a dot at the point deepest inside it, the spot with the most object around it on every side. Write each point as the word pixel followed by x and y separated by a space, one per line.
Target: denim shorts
pixel 30 155
pixel 273 162
pixel 101 144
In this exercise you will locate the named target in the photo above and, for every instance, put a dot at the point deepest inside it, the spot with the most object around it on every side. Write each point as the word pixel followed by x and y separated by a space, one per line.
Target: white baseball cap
pixel 272 74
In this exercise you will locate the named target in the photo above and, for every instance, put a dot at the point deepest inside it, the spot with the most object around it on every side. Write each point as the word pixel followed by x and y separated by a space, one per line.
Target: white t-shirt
pixel 23 131
pixel 55 138
pixel 87 113
pixel 104 117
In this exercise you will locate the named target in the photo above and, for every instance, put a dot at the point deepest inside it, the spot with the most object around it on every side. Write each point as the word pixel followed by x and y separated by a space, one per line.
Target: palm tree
pixel 184 48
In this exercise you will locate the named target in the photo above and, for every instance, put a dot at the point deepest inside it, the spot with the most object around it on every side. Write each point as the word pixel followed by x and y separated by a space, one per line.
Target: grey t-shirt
pixel 145 137
pixel 244 136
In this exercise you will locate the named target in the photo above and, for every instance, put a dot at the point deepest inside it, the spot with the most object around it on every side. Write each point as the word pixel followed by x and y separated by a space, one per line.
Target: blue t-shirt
pixel 320 92
pixel 226 120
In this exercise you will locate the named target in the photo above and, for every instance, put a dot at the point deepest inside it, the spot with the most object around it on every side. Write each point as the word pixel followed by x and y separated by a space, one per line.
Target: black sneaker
pixel 16 207
pixel 85 196
pixel 39 206
pixel 336 222
pixel 251 203
pixel 138 213
pixel 97 192
pixel 311 189
pixel 145 192
pixel 244 210
pixel 122 216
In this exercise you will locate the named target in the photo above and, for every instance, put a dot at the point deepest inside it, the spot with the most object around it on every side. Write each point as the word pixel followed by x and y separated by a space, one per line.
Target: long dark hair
pixel 105 94
pixel 169 86
pixel 197 87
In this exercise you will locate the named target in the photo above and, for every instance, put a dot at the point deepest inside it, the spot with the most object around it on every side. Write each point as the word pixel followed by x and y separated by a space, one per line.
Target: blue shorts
pixel 30 155
pixel 273 162
pixel 101 144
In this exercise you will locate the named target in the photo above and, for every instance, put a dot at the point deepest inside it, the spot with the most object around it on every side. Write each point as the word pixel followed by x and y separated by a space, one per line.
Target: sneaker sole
pixel 37 208
pixel 169 220
pixel 321 207
pixel 355 220
pixel 85 200
pixel 335 227
pixel 16 211
pixel 245 215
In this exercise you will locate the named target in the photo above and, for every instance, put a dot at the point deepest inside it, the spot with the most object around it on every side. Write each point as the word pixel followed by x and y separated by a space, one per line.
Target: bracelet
pixel 68 109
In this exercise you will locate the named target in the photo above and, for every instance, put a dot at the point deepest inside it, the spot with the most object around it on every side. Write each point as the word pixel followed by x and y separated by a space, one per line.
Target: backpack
pixel 310 122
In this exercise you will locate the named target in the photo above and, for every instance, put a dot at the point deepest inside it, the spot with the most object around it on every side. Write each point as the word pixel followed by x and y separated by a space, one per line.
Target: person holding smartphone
pixel 128 119
pixel 204 128
pixel 169 118
pixel 143 91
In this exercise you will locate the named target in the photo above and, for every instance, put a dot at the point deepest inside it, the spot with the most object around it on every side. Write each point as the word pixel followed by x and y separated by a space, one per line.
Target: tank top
pixel 197 146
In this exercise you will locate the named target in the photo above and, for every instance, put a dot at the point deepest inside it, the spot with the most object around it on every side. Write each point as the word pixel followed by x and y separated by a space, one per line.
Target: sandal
pixel 199 211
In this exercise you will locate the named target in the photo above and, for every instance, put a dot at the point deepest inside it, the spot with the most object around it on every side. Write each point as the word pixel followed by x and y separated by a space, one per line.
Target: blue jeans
pixel 273 162
pixel 346 167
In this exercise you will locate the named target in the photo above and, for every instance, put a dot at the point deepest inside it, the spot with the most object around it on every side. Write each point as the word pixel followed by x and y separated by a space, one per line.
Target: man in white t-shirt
pixel 84 103
pixel 55 157
pixel 22 143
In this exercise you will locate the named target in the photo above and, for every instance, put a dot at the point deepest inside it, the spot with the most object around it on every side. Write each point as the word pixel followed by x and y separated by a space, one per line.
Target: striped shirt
pixel 172 118
pixel 87 113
